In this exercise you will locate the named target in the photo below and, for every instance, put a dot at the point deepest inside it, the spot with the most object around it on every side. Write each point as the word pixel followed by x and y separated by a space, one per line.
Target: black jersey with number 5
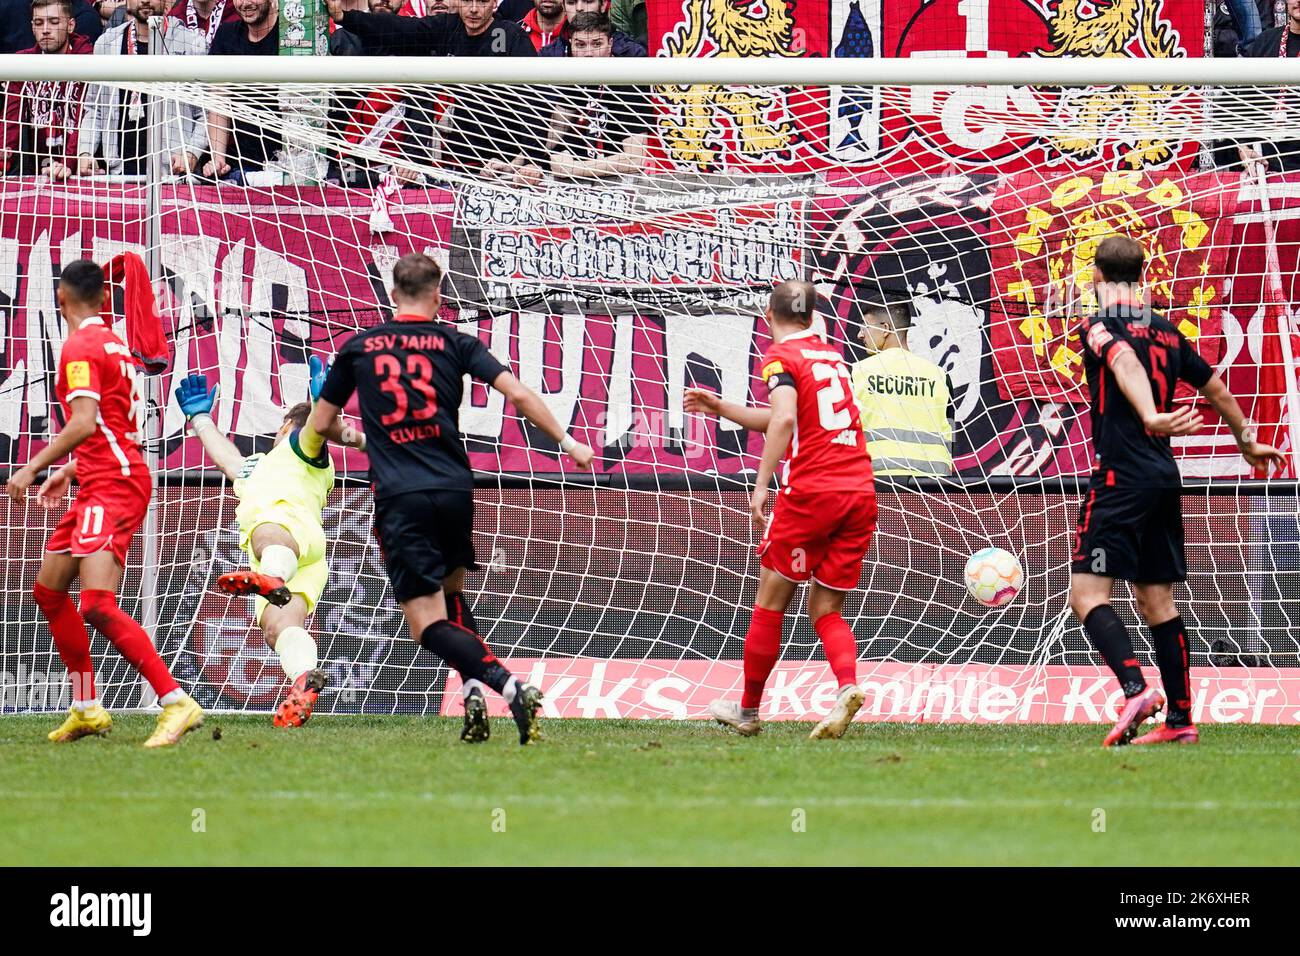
pixel 1125 453
pixel 409 378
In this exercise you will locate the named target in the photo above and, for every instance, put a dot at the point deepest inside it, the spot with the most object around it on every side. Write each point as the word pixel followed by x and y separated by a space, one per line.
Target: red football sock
pixel 130 639
pixel 762 647
pixel 841 647
pixel 69 637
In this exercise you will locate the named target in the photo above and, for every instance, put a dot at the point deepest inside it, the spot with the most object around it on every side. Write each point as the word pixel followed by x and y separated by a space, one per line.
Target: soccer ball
pixel 994 576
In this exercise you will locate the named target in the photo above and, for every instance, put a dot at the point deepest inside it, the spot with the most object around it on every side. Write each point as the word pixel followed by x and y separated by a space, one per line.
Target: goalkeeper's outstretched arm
pixel 196 401
pixel 325 423
pixel 220 449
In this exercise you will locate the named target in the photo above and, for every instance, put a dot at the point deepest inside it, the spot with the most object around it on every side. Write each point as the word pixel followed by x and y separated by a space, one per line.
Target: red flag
pixel 144 328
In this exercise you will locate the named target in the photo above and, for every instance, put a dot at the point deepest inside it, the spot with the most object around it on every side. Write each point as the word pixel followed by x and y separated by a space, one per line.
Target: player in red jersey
pixel 825 512
pixel 102 404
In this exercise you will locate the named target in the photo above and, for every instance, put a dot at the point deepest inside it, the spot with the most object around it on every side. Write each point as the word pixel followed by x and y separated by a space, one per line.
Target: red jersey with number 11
pixel 95 363
pixel 828 451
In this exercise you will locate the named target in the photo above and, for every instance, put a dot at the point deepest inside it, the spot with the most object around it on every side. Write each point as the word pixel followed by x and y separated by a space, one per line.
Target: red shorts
pixel 103 516
pixel 823 536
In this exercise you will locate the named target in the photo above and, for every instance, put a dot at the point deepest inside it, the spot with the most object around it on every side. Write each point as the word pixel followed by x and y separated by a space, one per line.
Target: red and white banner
pixel 1042 238
pixel 257 280
pixel 254 281
pixel 726 247
pixel 968 693
pixel 706 128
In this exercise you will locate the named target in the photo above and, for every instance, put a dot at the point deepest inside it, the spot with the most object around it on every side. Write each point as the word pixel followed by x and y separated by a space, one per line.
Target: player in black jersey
pixel 1131 521
pixel 409 378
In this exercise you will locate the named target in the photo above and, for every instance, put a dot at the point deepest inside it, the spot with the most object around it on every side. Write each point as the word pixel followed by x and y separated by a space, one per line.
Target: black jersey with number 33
pixel 1126 455
pixel 409 378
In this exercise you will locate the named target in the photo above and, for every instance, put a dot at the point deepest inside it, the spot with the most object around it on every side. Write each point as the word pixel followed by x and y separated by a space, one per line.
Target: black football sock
pixel 1170 640
pixel 459 612
pixel 468 655
pixel 497 677
pixel 1109 635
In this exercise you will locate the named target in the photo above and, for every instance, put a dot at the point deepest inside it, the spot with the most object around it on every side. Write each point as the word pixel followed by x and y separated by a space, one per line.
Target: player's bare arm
pixel 1133 382
pixel 1257 454
pixel 80 426
pixel 780 429
pixel 531 406
pixel 703 402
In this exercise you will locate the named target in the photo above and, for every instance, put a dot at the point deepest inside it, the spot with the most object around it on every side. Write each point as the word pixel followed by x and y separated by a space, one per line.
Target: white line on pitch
pixel 679 803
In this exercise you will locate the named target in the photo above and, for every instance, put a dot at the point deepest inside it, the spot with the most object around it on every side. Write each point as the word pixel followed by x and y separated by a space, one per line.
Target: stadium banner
pixel 1042 242
pixel 923 241
pixel 587 304
pixel 969 693
pixel 254 280
pixel 709 128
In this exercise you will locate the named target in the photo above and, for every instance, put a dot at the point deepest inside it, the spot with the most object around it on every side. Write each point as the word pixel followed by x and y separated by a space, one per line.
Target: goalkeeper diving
pixel 281 495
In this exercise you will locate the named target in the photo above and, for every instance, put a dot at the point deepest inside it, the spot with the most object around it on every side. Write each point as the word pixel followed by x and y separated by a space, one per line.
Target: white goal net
pixel 614 246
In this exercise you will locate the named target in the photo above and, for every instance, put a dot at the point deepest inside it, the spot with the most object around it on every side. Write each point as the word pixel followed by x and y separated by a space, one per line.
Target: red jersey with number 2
pixel 828 451
pixel 95 363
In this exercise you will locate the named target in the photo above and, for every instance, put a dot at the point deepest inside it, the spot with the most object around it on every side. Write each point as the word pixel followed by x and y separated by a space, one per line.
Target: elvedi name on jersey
pixel 407 433
pixel 910 385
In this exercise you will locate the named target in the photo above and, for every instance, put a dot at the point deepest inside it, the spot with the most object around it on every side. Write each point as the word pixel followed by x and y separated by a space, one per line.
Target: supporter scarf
pixel 214 21
pixel 134 109
pixel 55 108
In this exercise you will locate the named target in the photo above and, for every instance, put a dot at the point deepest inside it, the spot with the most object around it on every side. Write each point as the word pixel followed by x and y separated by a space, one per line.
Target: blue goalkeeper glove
pixel 194 396
pixel 319 372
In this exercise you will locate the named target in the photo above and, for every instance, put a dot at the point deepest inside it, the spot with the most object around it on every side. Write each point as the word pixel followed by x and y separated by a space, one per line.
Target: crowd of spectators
pixel 62 129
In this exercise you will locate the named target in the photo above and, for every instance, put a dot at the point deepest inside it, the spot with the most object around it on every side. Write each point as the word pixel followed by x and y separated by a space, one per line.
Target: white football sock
pixel 472 686
pixel 279 561
pixel 172 697
pixel 84 705
pixel 297 651
pixel 509 691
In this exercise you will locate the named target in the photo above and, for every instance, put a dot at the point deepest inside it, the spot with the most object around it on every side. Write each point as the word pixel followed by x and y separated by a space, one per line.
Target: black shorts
pixel 424 536
pixel 1133 534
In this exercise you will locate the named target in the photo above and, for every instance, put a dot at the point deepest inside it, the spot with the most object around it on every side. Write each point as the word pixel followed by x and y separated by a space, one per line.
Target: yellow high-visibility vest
pixel 904 402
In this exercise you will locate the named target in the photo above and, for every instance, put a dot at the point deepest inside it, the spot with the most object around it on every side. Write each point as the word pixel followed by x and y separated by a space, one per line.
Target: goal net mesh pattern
pixel 610 295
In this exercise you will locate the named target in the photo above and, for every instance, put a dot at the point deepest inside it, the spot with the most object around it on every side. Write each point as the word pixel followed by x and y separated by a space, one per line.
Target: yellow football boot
pixel 83 723
pixel 175 721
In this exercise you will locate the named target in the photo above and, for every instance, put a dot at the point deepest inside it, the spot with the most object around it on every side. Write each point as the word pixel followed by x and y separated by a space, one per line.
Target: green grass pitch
pixel 400 790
